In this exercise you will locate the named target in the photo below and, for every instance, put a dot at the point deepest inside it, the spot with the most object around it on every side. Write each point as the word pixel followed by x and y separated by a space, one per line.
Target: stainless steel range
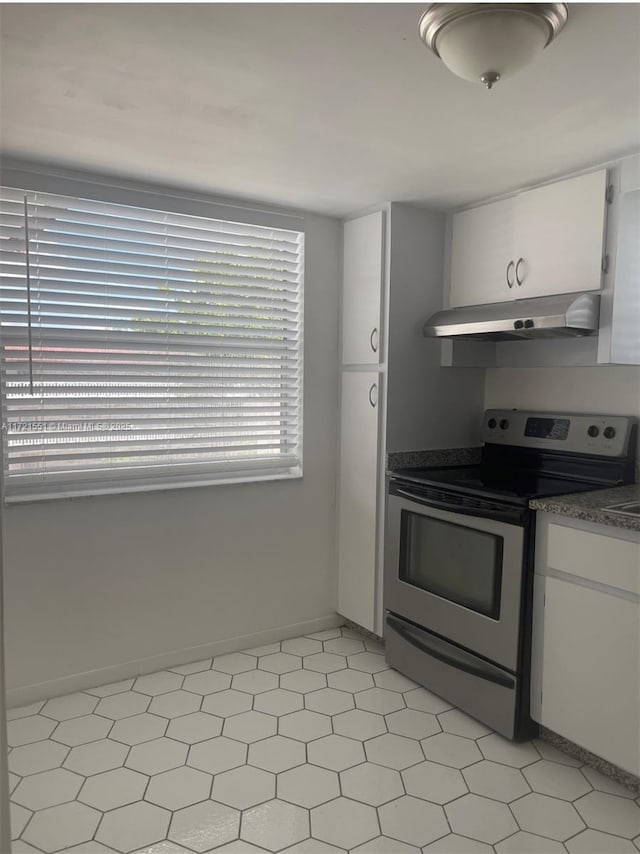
pixel 459 555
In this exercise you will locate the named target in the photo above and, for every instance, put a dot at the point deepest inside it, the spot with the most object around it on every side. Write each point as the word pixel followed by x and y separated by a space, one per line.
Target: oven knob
pixel 609 432
pixel 593 431
pixel 518 324
pixel 492 423
pixel 504 424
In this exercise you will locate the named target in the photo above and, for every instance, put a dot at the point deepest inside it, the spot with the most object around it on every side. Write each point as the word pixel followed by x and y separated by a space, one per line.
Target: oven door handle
pixel 497 514
pixel 446 653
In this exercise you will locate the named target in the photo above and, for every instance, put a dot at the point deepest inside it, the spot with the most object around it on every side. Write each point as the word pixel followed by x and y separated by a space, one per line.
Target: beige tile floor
pixel 309 746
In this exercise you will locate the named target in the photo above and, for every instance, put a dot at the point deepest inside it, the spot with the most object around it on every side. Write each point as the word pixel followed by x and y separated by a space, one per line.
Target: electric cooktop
pixel 529 455
pixel 520 486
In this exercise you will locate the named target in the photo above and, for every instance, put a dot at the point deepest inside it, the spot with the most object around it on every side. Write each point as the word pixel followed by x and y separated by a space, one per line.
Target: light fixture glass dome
pixel 488 41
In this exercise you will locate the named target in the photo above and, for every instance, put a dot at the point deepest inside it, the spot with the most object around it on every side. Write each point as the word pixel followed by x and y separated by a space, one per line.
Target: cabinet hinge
pixel 605 263
pixel 609 194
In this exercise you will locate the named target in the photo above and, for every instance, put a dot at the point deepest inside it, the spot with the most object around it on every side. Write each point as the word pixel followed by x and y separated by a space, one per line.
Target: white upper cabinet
pixel 540 242
pixel 482 251
pixel 362 290
pixel 559 235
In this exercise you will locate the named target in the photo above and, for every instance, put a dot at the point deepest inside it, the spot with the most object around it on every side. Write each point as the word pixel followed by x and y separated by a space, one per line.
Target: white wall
pixel 611 389
pixel 94 583
pixel 428 406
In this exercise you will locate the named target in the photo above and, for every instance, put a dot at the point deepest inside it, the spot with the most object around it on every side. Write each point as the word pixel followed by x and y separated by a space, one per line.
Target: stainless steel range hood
pixel 540 317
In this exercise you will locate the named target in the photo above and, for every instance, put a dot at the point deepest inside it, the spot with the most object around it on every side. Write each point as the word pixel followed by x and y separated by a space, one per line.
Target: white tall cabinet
pixel 361 469
pixel 394 394
pixel 362 265
pixel 358 492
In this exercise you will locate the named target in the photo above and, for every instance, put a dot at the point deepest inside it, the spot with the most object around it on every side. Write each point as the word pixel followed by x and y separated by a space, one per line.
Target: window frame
pixel 25 176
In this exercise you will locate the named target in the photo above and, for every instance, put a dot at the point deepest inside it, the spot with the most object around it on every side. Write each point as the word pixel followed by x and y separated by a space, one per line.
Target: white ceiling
pixel 326 107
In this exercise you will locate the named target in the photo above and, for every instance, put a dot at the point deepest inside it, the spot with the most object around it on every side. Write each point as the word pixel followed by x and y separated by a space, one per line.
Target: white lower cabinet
pixel 586 655
pixel 358 496
pixel 590 678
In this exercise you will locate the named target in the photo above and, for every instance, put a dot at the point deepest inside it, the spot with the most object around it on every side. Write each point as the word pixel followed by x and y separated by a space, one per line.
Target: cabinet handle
pixel 518 279
pixel 373 388
pixel 374 332
pixel 509 281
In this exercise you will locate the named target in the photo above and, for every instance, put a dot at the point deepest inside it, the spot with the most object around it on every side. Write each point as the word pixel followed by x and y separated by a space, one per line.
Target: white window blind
pixel 143 349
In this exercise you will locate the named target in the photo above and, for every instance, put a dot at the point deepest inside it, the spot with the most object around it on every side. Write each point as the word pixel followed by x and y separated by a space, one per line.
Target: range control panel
pixel 605 435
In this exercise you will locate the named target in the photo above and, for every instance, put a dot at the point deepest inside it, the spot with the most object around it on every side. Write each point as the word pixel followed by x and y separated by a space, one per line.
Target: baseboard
pixel 26 694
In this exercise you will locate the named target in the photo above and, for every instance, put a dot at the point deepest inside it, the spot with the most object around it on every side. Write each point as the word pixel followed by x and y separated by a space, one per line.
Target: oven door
pixel 456 573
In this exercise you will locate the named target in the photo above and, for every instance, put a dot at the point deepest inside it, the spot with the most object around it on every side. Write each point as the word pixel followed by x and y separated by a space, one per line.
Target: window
pixel 143 349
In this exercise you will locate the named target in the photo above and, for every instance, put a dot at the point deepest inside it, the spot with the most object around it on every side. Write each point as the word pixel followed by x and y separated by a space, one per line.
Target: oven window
pixel 458 563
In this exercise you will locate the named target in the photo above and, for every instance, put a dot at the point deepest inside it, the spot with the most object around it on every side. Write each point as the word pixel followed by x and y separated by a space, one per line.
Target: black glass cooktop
pixel 507 484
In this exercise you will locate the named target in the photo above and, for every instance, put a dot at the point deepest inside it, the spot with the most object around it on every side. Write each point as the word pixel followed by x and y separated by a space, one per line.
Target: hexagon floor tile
pixel 47 789
pixel 98 756
pixel 480 818
pixel 115 788
pixel 224 704
pixel 128 828
pixel 275 825
pixel 312 745
pixel 178 788
pixel 371 784
pixel 204 826
pixel 243 787
pixel 328 701
pixel 62 826
pixel 276 754
pixel 198 726
pixel 82 730
pixel 433 782
pixel 308 786
pixel 154 757
pixel 413 821
pixel 344 823
pixel 335 752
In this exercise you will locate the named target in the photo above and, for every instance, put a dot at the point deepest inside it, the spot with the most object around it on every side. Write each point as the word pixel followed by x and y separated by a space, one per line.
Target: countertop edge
pixel 590 506
pixel 433 457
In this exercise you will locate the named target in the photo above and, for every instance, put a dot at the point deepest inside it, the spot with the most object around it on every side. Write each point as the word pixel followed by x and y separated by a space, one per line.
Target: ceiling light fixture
pixel 489 41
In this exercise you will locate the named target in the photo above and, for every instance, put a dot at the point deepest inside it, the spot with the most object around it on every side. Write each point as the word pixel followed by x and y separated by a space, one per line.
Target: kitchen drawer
pixel 607 560
pixel 467 681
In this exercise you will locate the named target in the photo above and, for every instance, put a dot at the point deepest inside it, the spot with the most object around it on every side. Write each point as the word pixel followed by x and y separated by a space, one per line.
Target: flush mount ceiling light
pixel 489 41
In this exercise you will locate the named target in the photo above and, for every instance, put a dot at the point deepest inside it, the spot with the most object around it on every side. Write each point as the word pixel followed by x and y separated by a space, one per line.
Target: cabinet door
pixel 357 496
pixel 559 235
pixel 591 671
pixel 482 263
pixel 362 289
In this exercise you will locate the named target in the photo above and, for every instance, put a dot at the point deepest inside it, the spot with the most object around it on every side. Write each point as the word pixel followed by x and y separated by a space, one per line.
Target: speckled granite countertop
pixel 589 506
pixel 433 458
